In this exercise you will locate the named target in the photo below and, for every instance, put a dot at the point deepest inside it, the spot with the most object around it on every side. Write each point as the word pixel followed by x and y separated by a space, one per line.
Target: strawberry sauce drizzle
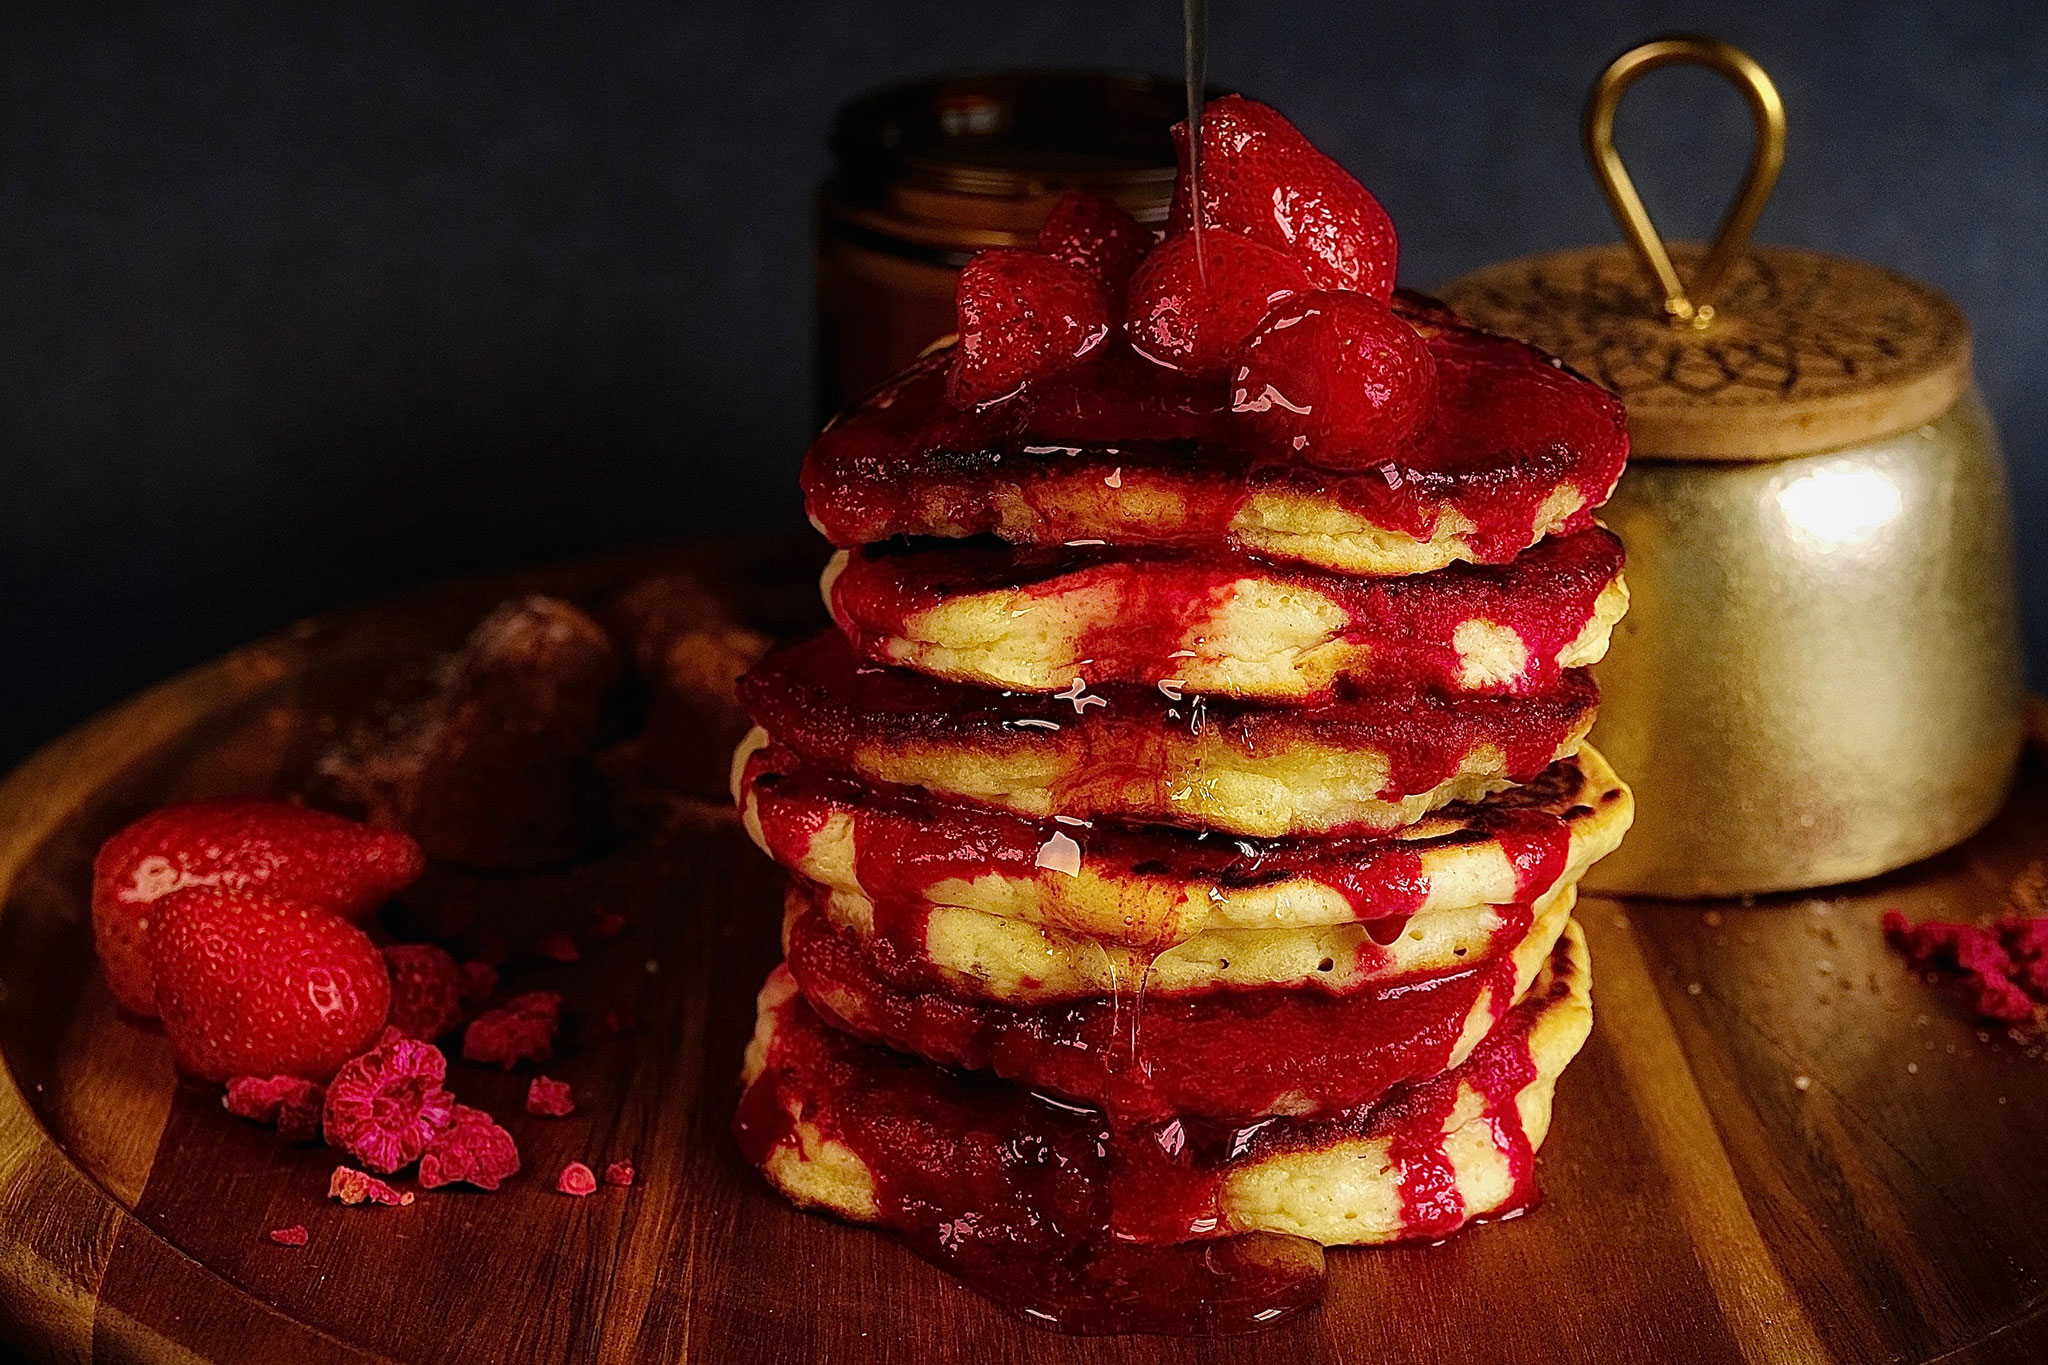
pixel 822 701
pixel 1130 453
pixel 1088 1224
pixel 1151 605
pixel 906 842
pixel 1234 1054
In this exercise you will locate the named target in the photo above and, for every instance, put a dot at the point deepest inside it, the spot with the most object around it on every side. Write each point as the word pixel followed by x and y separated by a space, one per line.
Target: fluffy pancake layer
pixel 1153 887
pixel 1227 625
pixel 972 1171
pixel 1370 763
pixel 1237 1053
pixel 1126 453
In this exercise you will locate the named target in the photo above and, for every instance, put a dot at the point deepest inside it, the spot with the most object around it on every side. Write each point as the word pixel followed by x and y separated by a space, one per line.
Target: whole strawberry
pixel 1263 179
pixel 1023 316
pixel 303 855
pixel 249 984
pixel 1336 378
pixel 1191 312
pixel 1096 237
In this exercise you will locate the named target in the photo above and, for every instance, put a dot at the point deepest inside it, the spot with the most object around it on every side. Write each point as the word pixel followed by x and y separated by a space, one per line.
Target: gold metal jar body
pixel 1819 678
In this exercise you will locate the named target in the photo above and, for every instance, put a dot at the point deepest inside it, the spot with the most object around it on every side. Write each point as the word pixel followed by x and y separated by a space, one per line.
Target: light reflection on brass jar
pixel 1819 677
pixel 933 171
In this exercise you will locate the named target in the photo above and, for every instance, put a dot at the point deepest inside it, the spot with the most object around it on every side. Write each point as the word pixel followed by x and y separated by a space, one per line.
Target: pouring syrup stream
pixel 1195 27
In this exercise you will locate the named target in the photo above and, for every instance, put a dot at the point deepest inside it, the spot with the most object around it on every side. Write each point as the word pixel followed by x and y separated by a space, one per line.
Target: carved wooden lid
pixel 1804 352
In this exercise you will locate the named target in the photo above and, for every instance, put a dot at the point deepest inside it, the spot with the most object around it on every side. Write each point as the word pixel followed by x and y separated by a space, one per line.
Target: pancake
pixel 1225 624
pixel 988 957
pixel 1127 453
pixel 1153 886
pixel 981 1176
pixel 1373 762
pixel 1225 1053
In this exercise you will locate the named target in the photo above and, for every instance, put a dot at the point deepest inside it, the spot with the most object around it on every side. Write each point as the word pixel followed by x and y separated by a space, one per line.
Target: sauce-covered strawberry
pixel 1263 180
pixel 1338 377
pixel 1023 315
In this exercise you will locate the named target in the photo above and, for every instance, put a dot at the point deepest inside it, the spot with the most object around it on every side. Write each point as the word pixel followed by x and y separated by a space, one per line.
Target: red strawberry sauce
pixel 1089 1224
pixel 1509 426
pixel 907 841
pixel 822 701
pixel 1239 1054
pixel 1154 600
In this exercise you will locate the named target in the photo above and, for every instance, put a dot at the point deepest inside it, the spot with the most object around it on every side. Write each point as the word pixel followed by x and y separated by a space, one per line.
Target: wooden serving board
pixel 1701 1206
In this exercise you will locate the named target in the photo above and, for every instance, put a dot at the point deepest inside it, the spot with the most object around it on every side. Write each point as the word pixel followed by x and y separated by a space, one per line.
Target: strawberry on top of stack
pixel 1184 817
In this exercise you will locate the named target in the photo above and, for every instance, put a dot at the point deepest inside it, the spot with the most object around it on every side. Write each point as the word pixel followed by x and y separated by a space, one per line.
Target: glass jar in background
pixel 932 171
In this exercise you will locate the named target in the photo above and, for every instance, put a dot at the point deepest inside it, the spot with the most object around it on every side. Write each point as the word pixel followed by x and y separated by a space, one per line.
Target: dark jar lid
pixel 971 161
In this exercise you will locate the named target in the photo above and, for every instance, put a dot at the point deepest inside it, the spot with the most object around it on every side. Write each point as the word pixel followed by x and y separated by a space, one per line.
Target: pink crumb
pixel 619 1173
pixel 576 1179
pixel 550 1098
pixel 293 1236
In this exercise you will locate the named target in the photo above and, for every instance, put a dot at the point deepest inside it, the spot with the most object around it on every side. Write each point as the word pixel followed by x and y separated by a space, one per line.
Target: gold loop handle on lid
pixel 1689 303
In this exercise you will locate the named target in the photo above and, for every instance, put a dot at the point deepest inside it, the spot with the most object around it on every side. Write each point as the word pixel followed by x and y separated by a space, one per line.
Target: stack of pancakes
pixel 1182 843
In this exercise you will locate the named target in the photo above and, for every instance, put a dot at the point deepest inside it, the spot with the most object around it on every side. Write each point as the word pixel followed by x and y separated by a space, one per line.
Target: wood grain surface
pixel 1700 1205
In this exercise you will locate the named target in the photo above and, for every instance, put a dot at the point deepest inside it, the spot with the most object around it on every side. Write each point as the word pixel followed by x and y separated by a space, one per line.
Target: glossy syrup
pixel 1226 1055
pixel 1147 608
pixel 1135 754
pixel 906 843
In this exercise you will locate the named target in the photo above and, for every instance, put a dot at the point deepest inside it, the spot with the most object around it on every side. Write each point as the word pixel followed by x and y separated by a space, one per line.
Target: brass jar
pixel 933 171
pixel 1819 677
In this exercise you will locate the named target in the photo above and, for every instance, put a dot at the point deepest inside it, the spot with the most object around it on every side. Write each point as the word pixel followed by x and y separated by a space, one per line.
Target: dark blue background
pixel 297 307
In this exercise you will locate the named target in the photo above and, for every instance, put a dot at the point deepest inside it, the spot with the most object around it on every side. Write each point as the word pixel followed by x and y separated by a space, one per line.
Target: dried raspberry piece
pixel 293 1236
pixel 1996 982
pixel 619 1173
pixel 426 990
pixel 523 1029
pixel 558 948
pixel 605 924
pixel 549 1098
pixel 479 981
pixel 352 1186
pixel 2025 938
pixel 385 1107
pixel 576 1179
pixel 264 1099
pixel 1997 996
pixel 473 1150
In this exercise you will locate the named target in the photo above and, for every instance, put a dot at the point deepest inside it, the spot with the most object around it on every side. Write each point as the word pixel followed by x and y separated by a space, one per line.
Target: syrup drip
pixel 1194 16
pixel 907 843
pixel 1511 428
pixel 1146 608
pixel 1227 1055
pixel 1136 756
